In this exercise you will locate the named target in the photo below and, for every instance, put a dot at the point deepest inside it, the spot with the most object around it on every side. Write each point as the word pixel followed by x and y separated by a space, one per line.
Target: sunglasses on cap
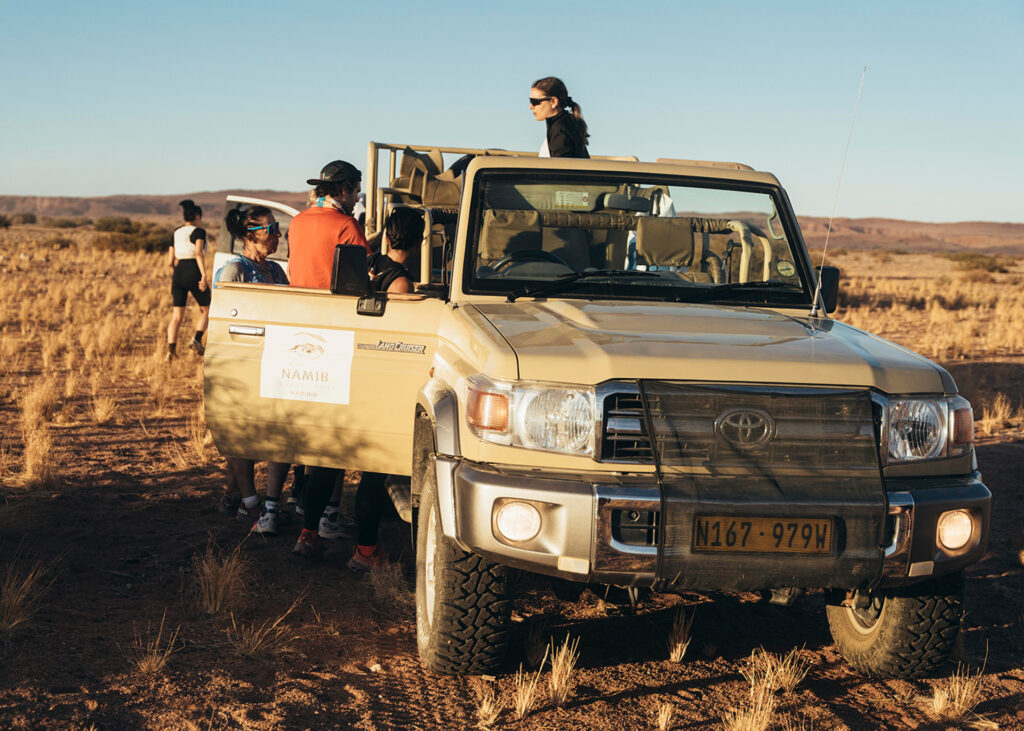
pixel 274 229
pixel 535 100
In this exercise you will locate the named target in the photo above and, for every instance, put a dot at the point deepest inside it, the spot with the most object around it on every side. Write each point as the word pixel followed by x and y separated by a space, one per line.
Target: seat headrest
pixel 665 241
pixel 431 162
pixel 505 232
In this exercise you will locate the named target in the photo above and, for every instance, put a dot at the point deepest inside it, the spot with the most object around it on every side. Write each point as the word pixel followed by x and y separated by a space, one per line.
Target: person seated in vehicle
pixel 403 232
pixel 327 222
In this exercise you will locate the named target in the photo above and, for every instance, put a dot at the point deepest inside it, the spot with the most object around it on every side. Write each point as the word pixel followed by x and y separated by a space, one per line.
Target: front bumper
pixel 582 517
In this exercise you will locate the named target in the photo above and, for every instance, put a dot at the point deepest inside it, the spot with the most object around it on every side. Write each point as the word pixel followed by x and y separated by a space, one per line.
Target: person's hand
pixel 203 285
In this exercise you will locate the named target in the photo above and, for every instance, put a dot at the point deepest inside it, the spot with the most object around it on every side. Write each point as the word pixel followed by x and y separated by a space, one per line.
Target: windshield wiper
pixel 699 295
pixel 566 281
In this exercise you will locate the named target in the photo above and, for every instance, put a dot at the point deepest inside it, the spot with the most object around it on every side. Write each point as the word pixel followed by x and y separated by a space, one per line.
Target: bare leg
pixel 277 472
pixel 177 315
pixel 204 319
pixel 243 473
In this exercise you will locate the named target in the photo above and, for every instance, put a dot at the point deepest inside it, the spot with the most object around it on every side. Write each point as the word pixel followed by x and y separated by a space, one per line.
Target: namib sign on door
pixel 307 364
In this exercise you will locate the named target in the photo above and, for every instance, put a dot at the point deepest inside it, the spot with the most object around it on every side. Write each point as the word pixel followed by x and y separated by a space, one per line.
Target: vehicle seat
pixel 505 232
pixel 420 180
pixel 665 242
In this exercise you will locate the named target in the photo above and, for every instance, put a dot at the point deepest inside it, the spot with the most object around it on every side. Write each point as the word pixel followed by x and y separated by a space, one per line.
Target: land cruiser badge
pixel 390 347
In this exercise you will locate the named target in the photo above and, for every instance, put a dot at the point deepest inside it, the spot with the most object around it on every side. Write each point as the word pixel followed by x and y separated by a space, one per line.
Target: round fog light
pixel 955 529
pixel 517 521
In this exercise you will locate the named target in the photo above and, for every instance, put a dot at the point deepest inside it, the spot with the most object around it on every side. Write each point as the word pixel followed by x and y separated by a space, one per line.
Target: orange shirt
pixel 312 236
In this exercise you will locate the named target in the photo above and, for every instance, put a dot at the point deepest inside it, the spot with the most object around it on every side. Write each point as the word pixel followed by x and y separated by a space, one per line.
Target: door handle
pixel 244 330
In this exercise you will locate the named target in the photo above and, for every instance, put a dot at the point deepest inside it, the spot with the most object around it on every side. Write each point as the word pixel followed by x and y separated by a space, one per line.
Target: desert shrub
pixel 58 242
pixel 135 236
pixel 5 222
pixel 114 224
pixel 23 218
pixel 976 261
pixel 66 222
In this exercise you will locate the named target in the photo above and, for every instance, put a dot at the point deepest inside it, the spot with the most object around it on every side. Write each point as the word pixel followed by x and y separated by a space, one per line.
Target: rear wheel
pixel 463 609
pixel 900 633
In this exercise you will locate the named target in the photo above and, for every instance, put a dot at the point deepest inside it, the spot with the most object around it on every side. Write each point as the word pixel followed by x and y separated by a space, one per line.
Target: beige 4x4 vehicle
pixel 612 373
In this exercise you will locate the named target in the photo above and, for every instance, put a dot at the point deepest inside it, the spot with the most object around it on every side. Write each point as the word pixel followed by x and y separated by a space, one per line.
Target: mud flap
pixel 765 486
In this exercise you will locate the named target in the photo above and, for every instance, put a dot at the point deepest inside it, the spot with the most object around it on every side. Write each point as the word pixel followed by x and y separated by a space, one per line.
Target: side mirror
pixel 829 277
pixel 349 275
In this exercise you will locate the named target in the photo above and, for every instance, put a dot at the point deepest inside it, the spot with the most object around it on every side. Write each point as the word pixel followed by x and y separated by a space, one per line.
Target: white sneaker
pixel 336 525
pixel 267 523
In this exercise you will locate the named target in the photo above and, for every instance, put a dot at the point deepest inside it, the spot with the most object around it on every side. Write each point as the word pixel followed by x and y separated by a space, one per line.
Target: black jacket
pixel 565 139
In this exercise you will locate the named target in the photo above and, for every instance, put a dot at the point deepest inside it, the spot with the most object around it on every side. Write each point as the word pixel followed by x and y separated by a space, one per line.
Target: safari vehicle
pixel 620 373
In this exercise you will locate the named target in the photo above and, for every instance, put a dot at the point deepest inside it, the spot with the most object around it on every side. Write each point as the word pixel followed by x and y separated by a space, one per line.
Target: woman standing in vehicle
pixel 567 134
pixel 186 258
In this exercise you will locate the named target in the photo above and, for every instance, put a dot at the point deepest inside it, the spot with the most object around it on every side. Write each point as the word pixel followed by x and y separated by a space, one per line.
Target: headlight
pixel 547 416
pixel 927 428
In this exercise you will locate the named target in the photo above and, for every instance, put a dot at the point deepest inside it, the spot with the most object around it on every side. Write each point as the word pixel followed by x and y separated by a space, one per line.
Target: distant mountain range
pixel 847 233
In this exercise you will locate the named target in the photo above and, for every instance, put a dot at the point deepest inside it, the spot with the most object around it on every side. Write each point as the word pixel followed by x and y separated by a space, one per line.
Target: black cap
pixel 337 171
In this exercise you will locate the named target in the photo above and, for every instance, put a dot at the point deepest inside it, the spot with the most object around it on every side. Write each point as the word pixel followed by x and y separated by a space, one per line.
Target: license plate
pixel 762 535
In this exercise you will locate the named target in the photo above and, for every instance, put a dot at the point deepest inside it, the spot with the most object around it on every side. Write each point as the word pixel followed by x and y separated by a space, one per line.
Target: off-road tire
pixel 465 630
pixel 911 634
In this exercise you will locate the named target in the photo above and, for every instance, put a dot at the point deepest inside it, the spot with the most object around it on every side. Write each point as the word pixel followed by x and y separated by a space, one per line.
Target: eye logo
pixel 307 347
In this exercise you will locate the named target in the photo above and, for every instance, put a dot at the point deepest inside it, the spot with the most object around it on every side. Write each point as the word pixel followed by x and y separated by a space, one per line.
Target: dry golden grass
pixel 389 588
pixel 487 706
pixel 23 585
pixel 666 714
pixel 39 468
pixel 220 578
pixel 755 714
pixel 195 438
pixel 265 639
pixel 767 670
pixel 103 409
pixel 956 698
pixel 524 689
pixel 679 637
pixel 149 654
pixel 39 402
pixel 563 667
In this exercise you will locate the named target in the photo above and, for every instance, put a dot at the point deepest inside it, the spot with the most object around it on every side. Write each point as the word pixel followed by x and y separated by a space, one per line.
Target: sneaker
pixel 308 545
pixel 361 564
pixel 336 525
pixel 268 522
pixel 196 346
pixel 248 515
pixel 229 503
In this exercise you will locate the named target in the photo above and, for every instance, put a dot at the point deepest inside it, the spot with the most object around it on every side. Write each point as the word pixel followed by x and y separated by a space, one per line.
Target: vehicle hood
pixel 580 341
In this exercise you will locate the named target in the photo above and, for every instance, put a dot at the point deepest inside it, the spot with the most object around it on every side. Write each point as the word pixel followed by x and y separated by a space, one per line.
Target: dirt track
pixel 123 524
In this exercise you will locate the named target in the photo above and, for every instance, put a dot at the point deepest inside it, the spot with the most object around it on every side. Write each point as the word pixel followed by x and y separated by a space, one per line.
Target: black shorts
pixel 186 279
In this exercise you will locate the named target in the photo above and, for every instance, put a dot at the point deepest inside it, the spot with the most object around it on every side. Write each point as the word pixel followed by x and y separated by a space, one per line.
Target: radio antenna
pixel 835 198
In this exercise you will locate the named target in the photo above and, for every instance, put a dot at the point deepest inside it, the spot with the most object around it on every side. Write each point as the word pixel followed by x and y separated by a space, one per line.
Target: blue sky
pixel 126 97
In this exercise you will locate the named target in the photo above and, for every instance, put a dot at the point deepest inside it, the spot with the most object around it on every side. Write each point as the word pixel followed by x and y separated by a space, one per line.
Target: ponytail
pixel 190 210
pixel 239 220
pixel 577 113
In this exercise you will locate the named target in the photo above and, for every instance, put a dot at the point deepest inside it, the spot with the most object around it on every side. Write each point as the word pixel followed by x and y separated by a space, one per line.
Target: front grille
pixel 812 427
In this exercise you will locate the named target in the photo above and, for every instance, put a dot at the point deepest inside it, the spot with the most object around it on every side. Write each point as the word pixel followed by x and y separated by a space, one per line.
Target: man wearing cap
pixel 327 222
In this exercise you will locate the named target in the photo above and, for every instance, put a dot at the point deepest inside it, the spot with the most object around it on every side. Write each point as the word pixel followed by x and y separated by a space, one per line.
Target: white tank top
pixel 184 247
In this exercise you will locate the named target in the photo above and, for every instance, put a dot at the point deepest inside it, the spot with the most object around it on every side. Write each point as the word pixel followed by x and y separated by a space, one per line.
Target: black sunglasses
pixel 272 228
pixel 535 100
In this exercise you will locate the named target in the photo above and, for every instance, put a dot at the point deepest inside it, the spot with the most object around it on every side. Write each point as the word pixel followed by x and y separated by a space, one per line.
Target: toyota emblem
pixel 745 428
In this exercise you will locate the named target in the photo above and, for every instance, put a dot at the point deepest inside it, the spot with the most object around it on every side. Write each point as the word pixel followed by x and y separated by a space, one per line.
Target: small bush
pixel 23 218
pixel 123 234
pixel 5 222
pixel 976 261
pixel 66 222
pixel 114 224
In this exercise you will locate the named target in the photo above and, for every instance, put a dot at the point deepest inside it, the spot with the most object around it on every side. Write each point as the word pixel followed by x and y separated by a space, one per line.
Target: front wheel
pixel 463 609
pixel 901 633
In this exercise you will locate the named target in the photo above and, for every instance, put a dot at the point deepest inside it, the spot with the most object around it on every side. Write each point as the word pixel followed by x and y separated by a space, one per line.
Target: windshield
pixel 677 239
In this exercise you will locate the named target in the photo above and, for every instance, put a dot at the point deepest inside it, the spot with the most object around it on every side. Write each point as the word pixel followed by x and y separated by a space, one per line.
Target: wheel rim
pixel 430 548
pixel 865 620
